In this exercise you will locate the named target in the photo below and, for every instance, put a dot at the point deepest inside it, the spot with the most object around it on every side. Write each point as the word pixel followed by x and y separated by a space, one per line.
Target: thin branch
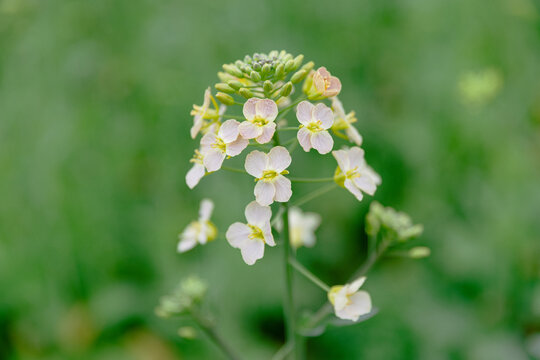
pixel 308 274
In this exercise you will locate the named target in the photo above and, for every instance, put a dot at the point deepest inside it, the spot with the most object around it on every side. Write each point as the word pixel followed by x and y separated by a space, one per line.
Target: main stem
pixel 208 329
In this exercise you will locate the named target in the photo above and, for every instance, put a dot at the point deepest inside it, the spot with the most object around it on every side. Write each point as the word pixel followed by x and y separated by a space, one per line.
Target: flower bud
pixel 298 61
pixel 257 67
pixel 289 65
pixel 298 76
pixel 308 66
pixel 224 77
pixel 266 69
pixel 187 332
pixel 225 99
pixel 233 70
pixel 273 54
pixel 235 84
pixel 268 86
pixel 286 89
pixel 239 64
pixel 246 93
pixel 419 252
pixel 280 70
pixel 255 76
pixel 225 88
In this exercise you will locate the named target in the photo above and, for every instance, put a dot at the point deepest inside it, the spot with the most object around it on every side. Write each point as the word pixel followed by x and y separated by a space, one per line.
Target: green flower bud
pixel 308 66
pixel 257 67
pixel 268 86
pixel 280 70
pixel 235 84
pixel 273 54
pixel 298 76
pixel 286 89
pixel 419 252
pixel 233 70
pixel 224 77
pixel 245 93
pixel 225 88
pixel 187 332
pixel 298 61
pixel 289 65
pixel 255 76
pixel 266 69
pixel 225 99
pixel 239 64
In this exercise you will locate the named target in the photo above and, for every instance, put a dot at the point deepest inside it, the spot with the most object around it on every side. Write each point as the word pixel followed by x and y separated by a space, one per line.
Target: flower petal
pixel 353 135
pixel 236 147
pixel 349 185
pixel 366 184
pixel 304 139
pixel 185 244
pixel 337 107
pixel 303 112
pixel 256 162
pixel 356 284
pixel 213 159
pixel 360 304
pixel 197 125
pixel 283 189
pixel 267 109
pixel 238 234
pixel 252 251
pixel 334 87
pixel 324 114
pixel 322 141
pixel 356 157
pixel 228 132
pixel 264 193
pixel 267 132
pixel 258 215
pixel 194 175
pixel 207 141
pixel 207 206
pixel 268 237
pixel 249 130
pixel 249 108
pixel 342 158
pixel 279 158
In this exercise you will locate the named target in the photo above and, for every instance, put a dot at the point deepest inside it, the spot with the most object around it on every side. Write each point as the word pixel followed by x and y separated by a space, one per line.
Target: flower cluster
pixel 250 108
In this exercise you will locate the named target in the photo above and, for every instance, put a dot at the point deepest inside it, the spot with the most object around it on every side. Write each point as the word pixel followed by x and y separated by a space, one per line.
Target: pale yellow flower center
pixel 220 144
pixel 315 126
pixel 259 121
pixel 271 175
pixel 197 158
pixel 210 232
pixel 256 233
pixel 333 293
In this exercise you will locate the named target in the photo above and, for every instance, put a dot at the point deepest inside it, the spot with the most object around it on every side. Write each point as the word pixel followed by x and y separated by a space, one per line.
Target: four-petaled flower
pixel 250 238
pixel 348 302
pixel 260 115
pixel 321 84
pixel 200 231
pixel 344 121
pixel 197 171
pixel 315 120
pixel 354 174
pixel 302 227
pixel 203 112
pixel 268 170
pixel 227 142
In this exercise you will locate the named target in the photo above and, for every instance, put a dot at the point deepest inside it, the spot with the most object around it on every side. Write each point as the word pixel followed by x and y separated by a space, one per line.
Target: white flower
pixel 354 174
pixel 260 115
pixel 197 171
pixel 200 231
pixel 348 302
pixel 268 171
pixel 226 142
pixel 302 226
pixel 315 120
pixel 344 121
pixel 203 112
pixel 251 237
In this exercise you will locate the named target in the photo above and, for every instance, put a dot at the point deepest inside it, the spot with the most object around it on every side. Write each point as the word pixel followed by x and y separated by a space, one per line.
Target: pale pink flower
pixel 260 115
pixel 250 238
pixel 227 142
pixel 268 170
pixel 200 231
pixel 197 171
pixel 344 121
pixel 324 84
pixel 354 174
pixel 315 120
pixel 203 113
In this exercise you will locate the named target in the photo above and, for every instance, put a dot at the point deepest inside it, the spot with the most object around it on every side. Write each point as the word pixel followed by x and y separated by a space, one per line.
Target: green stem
pixel 308 274
pixel 314 194
pixel 242 171
pixel 212 334
pixel 286 109
pixel 283 352
pixel 290 318
pixel 307 180
pixel 290 128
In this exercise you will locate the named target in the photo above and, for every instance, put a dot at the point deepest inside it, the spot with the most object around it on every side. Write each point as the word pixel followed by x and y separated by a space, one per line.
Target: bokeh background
pixel 94 146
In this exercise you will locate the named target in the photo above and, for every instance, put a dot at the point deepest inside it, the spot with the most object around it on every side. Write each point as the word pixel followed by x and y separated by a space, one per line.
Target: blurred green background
pixel 94 146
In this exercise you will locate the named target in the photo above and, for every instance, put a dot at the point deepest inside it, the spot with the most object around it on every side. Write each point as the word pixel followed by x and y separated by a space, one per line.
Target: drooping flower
pixel 350 303
pixel 227 142
pixel 354 174
pixel 250 238
pixel 200 231
pixel 320 84
pixel 268 170
pixel 260 115
pixel 344 121
pixel 204 112
pixel 302 226
pixel 315 120
pixel 197 171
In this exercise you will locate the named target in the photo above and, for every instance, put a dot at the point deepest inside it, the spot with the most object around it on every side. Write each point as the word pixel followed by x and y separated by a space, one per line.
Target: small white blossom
pixel 348 302
pixel 302 226
pixel 227 142
pixel 200 231
pixel 344 121
pixel 268 170
pixel 260 115
pixel 197 171
pixel 315 120
pixel 354 174
pixel 251 237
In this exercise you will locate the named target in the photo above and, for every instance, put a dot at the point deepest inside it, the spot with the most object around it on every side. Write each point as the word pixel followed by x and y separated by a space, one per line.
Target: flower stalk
pixel 213 335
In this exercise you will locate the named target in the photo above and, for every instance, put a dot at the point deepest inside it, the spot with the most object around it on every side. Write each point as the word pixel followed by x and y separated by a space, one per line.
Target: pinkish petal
pixel 349 185
pixel 194 175
pixel 236 147
pixel 264 193
pixel 304 138
pixel 256 162
pixel 213 160
pixel 303 112
pixel 267 109
pixel 322 142
pixel 268 131
pixel 279 158
pixel 228 132
pixel 249 108
pixel 249 130
pixel 324 114
pixel 283 189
